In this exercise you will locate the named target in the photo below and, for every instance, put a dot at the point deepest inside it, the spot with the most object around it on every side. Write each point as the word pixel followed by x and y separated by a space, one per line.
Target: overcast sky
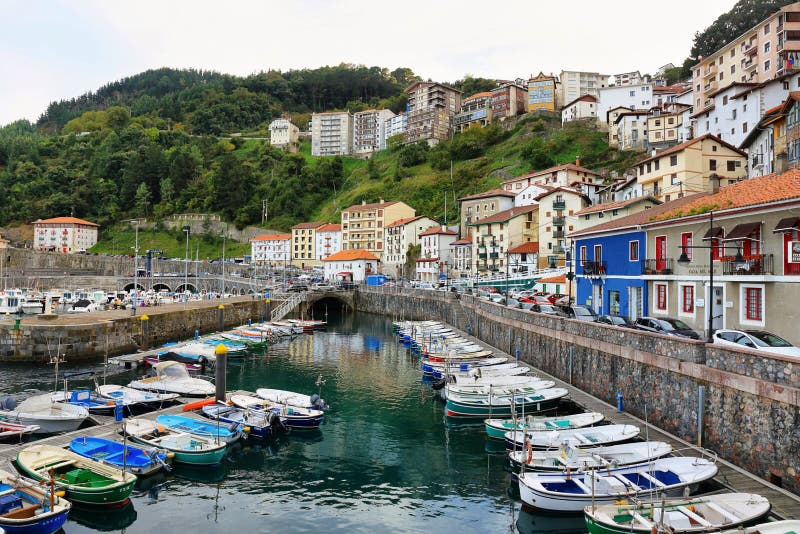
pixel 57 49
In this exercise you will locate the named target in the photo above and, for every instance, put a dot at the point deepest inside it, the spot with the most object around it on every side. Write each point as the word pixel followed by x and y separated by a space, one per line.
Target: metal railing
pixel 594 268
pixel 659 266
pixel 759 264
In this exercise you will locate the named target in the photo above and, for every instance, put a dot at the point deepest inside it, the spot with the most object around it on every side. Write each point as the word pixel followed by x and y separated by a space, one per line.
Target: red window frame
pixel 752 244
pixel 583 255
pixel 633 246
pixel 598 253
pixel 687 293
pixel 717 248
pixel 686 244
pixel 661 297
pixel 752 304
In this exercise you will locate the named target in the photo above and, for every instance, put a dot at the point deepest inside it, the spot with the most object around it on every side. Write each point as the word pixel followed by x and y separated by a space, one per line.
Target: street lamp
pixel 186 270
pixel 223 267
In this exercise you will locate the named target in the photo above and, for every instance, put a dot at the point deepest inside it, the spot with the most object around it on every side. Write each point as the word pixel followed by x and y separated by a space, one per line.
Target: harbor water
pixel 384 459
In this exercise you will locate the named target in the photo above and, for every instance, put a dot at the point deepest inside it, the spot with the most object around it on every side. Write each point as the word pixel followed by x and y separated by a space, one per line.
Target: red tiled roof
pixel 401 222
pixel 348 255
pixel 330 228
pixel 682 146
pixel 465 241
pixel 484 94
pixel 567 167
pixel 616 205
pixel 560 279
pixel 565 190
pixel 489 193
pixel 433 230
pixel 65 220
pixel 584 98
pixel 304 225
pixel 525 248
pixel 503 216
pixel 374 205
pixel 427 260
pixel 272 237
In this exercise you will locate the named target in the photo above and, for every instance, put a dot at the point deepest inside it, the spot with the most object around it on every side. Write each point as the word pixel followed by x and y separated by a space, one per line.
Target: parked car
pixel 553 297
pixel 497 298
pixel 346 285
pixel 666 325
pixel 535 300
pixel 321 286
pixel 526 305
pixel 580 313
pixel 756 339
pixel 616 320
pixel 547 309
pixel 297 288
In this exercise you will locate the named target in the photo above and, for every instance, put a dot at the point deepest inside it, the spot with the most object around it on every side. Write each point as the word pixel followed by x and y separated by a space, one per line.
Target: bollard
pixel 469 330
pixel 269 309
pixel 197 334
pixel 620 402
pixel 249 322
pixel 221 353
pixel 701 410
pixel 145 331
pixel 516 353
pixel 221 317
pixel 118 410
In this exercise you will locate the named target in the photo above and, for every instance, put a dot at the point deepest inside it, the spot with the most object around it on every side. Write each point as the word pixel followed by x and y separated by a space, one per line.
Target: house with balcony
pixel 509 100
pixel 630 129
pixel 66 235
pixel 369 131
pixel 494 236
pixel 609 211
pixel 583 107
pixel 575 84
pixel 271 250
pixel 399 235
pixel 350 266
pixel 557 218
pixel 434 261
pixel 611 123
pixel 363 225
pixel 543 93
pixel 473 208
pixel 523 258
pixel 634 96
pixel 476 110
pixel 304 242
pixel 703 164
pixel 766 144
pixel 668 127
pixel 560 175
pixel 331 133
pixel 329 240
pixel 461 257
pixel 431 108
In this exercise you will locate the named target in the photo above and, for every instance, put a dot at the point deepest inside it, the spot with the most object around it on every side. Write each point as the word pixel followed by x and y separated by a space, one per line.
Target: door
pixel 661 253
pixel 597 299
pixel 634 302
pixel 717 309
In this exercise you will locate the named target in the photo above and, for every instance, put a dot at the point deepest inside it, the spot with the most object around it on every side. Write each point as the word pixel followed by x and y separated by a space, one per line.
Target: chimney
pixel 653 153
pixel 577 162
pixel 363 202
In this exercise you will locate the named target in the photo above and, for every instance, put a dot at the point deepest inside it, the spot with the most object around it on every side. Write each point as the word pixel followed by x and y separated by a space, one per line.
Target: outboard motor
pixel 318 403
pixel 8 403
pixel 275 423
pixel 439 384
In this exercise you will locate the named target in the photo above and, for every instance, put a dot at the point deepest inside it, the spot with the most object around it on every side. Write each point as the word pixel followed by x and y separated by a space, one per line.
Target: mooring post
pixel 701 410
pixel 145 331
pixel 221 317
pixel 221 366
pixel 268 313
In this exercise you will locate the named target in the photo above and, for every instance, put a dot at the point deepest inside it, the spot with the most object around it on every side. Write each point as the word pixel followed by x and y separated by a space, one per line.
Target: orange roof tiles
pixel 525 248
pixel 566 167
pixel 616 205
pixel 65 220
pixel 349 255
pixel 433 230
pixel 401 222
pixel 305 225
pixel 560 279
pixel 503 216
pixel 684 145
pixel 583 98
pixel 330 228
pixel 272 237
pixel 489 193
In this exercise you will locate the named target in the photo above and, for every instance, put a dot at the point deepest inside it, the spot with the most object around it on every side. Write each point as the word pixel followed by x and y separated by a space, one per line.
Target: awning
pixel 741 232
pixel 714 233
pixel 786 225
pixel 344 273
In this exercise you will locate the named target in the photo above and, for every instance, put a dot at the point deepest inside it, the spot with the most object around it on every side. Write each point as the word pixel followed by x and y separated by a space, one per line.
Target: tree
pixel 143 198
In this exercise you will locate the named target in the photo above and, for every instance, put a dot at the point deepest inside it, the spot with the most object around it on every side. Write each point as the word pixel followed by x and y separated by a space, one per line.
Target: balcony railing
pixel 558 234
pixel 481 255
pixel 558 221
pixel 594 268
pixel 757 264
pixel 661 266
pixel 494 255
pixel 558 249
pixel 559 205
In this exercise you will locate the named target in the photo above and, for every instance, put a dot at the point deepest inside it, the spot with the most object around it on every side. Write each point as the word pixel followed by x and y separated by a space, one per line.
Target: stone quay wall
pixel 96 337
pixel 752 402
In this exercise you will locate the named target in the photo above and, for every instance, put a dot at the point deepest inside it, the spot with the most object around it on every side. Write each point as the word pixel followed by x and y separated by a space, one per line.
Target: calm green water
pixel 383 460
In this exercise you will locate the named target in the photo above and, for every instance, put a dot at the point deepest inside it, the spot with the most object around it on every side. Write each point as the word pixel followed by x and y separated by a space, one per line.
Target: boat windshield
pixel 175 371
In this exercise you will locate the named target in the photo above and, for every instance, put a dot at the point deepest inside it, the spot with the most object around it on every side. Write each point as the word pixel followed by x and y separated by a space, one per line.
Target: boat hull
pixel 48 425
pixel 458 409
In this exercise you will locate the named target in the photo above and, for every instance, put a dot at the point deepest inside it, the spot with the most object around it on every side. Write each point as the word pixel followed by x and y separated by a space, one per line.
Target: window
pixel 673 179
pixel 766 65
pixel 583 255
pixel 632 93
pixel 656 162
pixel 733 52
pixel 766 30
pixel 733 114
pixel 613 302
pixel 744 127
pixel 725 100
pixel 713 148
pixel 733 69
pixel 731 165
pixel 661 297
pixel 673 160
pixel 687 299
pixel 712 164
pixel 598 253
pixel 686 244
pixel 753 304
pixel 718 249
pixel 633 251
pixel 766 47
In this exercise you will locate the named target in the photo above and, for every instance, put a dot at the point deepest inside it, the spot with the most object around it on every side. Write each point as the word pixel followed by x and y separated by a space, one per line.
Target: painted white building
pixel 64 234
pixel 461 257
pixel 394 126
pixel 398 236
pixel 631 130
pixel 434 258
pixel 331 133
pixel 639 96
pixel 272 250
pixel 369 130
pixel 524 258
pixel 350 265
pixel 628 78
pixel 282 133
pixel 583 107
pixel 527 196
pixel 575 84
pixel 329 240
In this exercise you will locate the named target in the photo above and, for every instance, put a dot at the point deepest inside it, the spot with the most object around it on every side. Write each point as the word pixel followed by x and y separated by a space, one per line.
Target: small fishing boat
pixel 709 513
pixel 188 448
pixel 133 397
pixel 194 364
pixel 497 428
pixel 503 369
pixel 204 429
pixel 172 377
pixel 290 398
pixel 429 367
pixel 572 492
pixel 468 391
pixel 13 432
pixel 788 526
pixel 569 457
pixel 27 508
pixel 291 416
pixel 85 481
pixel 454 356
pixel 41 411
pixel 580 437
pixel 492 405
pixel 260 422
pixel 85 398
pixel 121 455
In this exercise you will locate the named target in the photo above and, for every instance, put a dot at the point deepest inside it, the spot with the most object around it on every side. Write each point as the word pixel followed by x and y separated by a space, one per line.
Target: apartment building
pixel 271 250
pixel 557 217
pixel 461 257
pixel 767 50
pixel 633 97
pixel 331 133
pixel 363 225
pixel 283 134
pixel 610 211
pixel 328 240
pixel 543 93
pixel 494 236
pixel 628 78
pixel 304 244
pixel 64 234
pixel 668 126
pixel 396 125
pixel 369 130
pixel 575 84
pixel 473 208
pixel 476 110
pixel 630 130
pixel 701 165
pixel 509 100
pixel 431 108
pixel 400 235
pixel 560 175
pixel 434 258
pixel 583 107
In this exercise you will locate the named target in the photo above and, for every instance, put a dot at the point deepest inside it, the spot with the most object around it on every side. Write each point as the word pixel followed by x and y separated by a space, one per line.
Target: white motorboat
pixel 788 526
pixel 594 436
pixel 172 377
pixel 486 392
pixel 40 410
pixel 290 398
pixel 497 428
pixel 132 397
pixel 571 458
pixel 11 301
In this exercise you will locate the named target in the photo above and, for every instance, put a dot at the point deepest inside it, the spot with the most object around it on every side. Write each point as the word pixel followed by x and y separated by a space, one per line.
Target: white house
pixel 329 240
pixel 527 196
pixel 583 107
pixel 434 257
pixel 64 234
pixel 282 133
pixel 398 236
pixel 272 250
pixel 461 257
pixel 639 96
pixel 350 265
pixel 524 258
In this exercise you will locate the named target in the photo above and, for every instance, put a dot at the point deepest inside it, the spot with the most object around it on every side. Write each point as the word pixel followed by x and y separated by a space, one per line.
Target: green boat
pixel 543 400
pixel 497 428
pixel 84 480
pixel 188 448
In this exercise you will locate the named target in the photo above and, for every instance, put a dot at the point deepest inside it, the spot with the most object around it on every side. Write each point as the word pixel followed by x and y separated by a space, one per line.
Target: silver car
pixel 757 340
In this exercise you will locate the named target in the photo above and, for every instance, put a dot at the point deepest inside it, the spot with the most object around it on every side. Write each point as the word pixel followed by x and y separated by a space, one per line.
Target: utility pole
pixel 135 269
pixel 263 212
pixel 186 270
pixel 223 264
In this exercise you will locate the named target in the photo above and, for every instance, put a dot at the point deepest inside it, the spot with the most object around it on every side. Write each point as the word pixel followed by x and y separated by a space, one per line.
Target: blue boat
pixel 27 508
pixel 205 429
pixel 291 416
pixel 137 460
pixel 85 398
pixel 260 423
